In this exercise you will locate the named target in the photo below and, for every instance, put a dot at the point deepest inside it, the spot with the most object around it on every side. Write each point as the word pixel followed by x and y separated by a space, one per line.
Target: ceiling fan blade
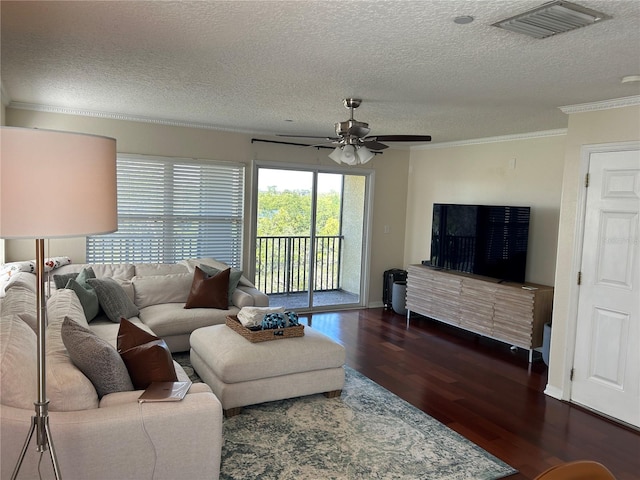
pixel 374 145
pixel 400 138
pixel 330 139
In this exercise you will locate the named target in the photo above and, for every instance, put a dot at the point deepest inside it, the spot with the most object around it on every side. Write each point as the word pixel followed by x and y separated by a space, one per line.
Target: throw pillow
pixel 61 280
pixel 146 356
pixel 113 299
pixel 84 275
pixel 234 277
pixel 209 292
pixel 88 298
pixel 96 358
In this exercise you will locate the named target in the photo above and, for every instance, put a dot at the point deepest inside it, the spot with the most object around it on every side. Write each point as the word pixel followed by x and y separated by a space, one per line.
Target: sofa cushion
pixel 158 289
pixel 234 277
pixel 146 356
pixel 30 320
pixel 18 361
pixel 96 358
pixel 171 319
pixel 20 279
pixel 113 299
pixel 150 269
pixel 18 299
pixel 120 272
pixel 209 292
pixel 192 263
pixel 67 387
pixel 63 303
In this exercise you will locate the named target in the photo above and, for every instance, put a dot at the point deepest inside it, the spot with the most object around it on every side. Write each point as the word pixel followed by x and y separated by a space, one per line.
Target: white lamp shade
pixel 349 155
pixel 56 184
pixel 336 155
pixel 364 154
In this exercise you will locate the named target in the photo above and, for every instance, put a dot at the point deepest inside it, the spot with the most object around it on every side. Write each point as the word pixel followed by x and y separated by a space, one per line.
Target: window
pixel 170 209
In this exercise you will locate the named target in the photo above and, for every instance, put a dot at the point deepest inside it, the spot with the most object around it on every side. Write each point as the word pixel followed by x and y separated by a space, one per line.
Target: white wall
pixel 526 172
pixel 152 139
pixel 587 128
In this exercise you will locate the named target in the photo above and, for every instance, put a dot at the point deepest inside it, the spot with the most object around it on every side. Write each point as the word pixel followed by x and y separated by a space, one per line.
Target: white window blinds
pixel 170 209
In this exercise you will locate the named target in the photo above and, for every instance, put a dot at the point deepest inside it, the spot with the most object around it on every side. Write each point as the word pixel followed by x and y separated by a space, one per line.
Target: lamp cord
pixel 40 463
pixel 153 446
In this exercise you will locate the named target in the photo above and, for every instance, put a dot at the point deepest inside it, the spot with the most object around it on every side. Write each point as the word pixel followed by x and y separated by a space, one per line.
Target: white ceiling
pixel 269 67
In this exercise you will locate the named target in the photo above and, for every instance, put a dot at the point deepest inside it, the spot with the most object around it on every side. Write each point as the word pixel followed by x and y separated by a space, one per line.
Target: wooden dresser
pixel 510 312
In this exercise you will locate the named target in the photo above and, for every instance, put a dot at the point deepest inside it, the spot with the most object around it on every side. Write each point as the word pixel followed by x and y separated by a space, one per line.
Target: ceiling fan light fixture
pixel 351 154
pixel 336 155
pixel 364 154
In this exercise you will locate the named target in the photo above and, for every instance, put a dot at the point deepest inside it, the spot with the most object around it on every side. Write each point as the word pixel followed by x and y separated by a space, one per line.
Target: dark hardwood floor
pixel 481 389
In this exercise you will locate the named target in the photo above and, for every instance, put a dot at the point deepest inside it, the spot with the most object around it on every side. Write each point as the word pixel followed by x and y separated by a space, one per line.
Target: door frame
pixel 369 175
pixel 576 262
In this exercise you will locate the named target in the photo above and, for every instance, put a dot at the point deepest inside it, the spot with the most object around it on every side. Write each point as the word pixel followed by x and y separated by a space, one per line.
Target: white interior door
pixel 606 375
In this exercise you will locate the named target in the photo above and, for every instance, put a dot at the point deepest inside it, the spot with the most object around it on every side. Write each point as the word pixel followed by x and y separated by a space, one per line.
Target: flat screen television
pixel 486 240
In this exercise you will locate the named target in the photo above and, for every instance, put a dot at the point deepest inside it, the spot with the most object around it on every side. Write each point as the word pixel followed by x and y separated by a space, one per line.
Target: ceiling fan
pixel 354 144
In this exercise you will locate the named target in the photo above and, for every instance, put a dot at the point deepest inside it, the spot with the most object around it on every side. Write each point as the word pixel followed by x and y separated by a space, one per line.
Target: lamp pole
pixel 40 421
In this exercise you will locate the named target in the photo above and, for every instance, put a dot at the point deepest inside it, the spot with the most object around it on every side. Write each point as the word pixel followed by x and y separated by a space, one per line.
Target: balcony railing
pixel 282 263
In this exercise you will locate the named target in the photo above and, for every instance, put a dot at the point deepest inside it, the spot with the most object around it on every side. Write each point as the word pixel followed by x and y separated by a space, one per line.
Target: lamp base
pixel 40 423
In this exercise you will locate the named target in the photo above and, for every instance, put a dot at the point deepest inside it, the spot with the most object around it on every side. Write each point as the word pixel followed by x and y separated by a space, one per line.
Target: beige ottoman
pixel 243 373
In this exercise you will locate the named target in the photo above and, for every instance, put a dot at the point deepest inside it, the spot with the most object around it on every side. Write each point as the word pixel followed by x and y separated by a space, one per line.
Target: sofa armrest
pixel 249 297
pixel 164 440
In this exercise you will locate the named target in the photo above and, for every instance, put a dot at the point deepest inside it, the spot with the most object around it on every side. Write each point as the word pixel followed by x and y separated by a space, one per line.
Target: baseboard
pixel 375 305
pixel 554 392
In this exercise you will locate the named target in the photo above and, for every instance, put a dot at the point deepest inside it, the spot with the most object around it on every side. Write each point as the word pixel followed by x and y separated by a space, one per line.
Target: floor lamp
pixel 84 202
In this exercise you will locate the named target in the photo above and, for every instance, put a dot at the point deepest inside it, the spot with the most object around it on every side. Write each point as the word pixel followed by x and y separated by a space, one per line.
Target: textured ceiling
pixel 269 67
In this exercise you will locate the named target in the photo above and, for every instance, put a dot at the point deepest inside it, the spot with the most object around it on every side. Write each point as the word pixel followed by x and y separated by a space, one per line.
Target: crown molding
pixel 180 123
pixel 121 116
pixel 502 138
pixel 602 105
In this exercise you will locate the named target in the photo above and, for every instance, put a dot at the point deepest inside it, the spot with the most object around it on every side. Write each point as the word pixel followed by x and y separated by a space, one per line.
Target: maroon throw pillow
pixel 146 356
pixel 209 292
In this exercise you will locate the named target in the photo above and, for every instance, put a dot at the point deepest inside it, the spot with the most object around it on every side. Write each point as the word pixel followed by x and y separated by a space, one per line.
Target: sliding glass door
pixel 310 236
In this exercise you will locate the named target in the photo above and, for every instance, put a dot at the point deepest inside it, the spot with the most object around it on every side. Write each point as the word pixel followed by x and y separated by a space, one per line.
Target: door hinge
pixel 571 374
pixel 579 278
pixel 586 180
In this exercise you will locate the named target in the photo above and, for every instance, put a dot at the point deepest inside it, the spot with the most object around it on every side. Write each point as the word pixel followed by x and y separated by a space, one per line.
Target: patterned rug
pixel 367 433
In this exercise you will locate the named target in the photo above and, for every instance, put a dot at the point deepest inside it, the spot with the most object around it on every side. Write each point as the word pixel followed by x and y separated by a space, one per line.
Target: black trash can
pixel 398 298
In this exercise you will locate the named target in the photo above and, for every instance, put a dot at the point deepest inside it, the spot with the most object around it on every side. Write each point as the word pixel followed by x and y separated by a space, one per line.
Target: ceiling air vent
pixel 551 18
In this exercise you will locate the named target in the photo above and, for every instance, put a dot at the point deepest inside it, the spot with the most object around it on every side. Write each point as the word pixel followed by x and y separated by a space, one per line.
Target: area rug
pixel 366 433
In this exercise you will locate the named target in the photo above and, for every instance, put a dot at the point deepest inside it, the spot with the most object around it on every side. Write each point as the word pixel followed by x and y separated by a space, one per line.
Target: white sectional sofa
pixel 113 437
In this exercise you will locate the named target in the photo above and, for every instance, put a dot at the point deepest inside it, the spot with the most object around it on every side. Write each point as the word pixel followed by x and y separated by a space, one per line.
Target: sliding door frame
pixel 368 174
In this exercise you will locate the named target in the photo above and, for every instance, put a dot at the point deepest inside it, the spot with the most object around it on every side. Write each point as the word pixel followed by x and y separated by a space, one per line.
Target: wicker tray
pixel 255 336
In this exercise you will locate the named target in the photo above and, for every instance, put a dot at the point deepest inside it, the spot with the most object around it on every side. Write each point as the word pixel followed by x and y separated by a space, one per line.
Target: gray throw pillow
pixel 113 299
pixel 84 275
pixel 234 277
pixel 88 298
pixel 96 358
pixel 61 281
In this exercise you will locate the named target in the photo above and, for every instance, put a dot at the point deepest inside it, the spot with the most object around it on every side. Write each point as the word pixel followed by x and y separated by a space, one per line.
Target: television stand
pixel 510 312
